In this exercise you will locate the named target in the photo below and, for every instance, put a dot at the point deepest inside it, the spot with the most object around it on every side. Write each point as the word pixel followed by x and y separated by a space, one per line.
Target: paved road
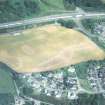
pixel 49 18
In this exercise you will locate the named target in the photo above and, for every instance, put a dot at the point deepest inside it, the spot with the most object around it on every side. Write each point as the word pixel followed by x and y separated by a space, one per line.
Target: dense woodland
pixel 88 5
pixel 11 10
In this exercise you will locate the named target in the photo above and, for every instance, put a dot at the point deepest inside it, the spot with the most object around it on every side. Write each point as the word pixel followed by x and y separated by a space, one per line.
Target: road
pixel 34 100
pixel 72 15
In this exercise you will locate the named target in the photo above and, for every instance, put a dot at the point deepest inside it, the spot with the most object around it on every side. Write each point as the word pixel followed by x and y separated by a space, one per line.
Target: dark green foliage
pixel 67 23
pixel 27 90
pixel 81 70
pixel 88 5
pixel 12 10
pixel 69 4
pixel 6 80
pixel 90 24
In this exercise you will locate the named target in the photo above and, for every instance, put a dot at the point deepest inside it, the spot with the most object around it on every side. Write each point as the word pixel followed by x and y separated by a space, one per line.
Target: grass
pixel 6 81
pixel 50 7
pixel 52 4
pixel 91 5
pixel 81 70
pixel 6 99
pixel 46 48
pixel 86 85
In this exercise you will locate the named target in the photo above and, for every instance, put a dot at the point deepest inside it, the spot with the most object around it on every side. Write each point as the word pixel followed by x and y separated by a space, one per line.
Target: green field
pixel 6 99
pixel 51 6
pixel 81 70
pixel 6 80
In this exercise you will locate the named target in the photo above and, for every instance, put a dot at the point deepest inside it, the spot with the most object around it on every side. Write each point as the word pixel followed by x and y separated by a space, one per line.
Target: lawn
pixel 82 74
pixel 47 47
pixel 6 81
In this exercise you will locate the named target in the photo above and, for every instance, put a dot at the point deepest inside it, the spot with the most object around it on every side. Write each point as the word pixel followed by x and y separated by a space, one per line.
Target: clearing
pixel 47 48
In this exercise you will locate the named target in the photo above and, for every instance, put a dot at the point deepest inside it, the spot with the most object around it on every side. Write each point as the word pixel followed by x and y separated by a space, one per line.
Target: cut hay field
pixel 47 48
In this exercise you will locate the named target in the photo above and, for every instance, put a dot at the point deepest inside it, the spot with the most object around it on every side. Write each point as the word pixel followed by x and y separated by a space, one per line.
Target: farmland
pixel 46 48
